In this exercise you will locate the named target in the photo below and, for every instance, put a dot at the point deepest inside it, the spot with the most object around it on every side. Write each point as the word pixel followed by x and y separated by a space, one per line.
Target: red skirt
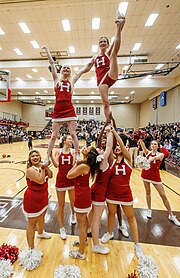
pixel 35 202
pixel 63 111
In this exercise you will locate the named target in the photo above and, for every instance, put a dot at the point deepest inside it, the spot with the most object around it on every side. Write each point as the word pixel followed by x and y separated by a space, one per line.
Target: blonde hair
pixel 29 163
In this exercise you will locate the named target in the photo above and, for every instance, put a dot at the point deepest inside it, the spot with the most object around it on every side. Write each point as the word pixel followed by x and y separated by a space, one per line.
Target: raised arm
pixel 125 152
pixel 83 70
pixel 77 170
pixel 108 150
pixel 34 175
pixel 145 151
pixel 55 159
pixel 51 61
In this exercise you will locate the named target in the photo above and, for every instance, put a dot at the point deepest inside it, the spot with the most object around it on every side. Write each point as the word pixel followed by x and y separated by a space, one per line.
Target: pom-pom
pixel 142 162
pixel 9 252
pixel 99 158
pixel 147 267
pixel 30 258
pixel 6 268
pixel 67 271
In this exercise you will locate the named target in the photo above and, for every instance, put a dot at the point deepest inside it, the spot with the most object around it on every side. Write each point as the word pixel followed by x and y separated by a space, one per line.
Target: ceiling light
pixel 19 93
pixel 94 48
pixel 159 66
pixel 37 93
pixel 95 23
pixel 76 69
pixel 1 32
pixel 92 101
pixel 132 92
pixel 112 39
pixel 151 19
pixel 35 44
pixel 24 27
pixel 92 93
pixel 148 76
pixel 28 75
pixel 34 70
pixel 0 48
pixel 136 46
pixel 178 46
pixel 66 25
pixel 18 79
pixel 45 91
pixel 77 101
pixel 126 97
pixel 123 7
pixel 71 49
pixel 42 78
pixel 18 51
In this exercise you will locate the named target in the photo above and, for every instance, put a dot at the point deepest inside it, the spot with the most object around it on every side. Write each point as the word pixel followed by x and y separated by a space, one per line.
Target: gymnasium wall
pixel 163 114
pixel 13 107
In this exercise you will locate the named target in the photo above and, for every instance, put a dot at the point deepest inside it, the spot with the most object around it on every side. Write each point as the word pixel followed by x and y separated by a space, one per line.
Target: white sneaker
pixel 100 249
pixel 123 229
pixel 46 161
pixel 78 157
pixel 138 250
pixel 63 233
pixel 44 235
pixel 149 214
pixel 75 254
pixel 119 17
pixel 174 219
pixel 73 219
pixel 106 237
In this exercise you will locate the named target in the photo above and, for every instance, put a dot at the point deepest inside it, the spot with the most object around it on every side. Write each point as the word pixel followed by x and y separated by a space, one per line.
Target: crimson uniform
pixel 82 194
pixel 119 191
pixel 35 198
pixel 152 174
pixel 65 164
pixel 102 66
pixel 99 188
pixel 63 109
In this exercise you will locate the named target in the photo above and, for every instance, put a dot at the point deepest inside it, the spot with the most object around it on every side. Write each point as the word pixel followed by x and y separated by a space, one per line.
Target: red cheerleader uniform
pixel 82 194
pixel 99 188
pixel 35 198
pixel 102 66
pixel 63 109
pixel 65 164
pixel 152 175
pixel 119 191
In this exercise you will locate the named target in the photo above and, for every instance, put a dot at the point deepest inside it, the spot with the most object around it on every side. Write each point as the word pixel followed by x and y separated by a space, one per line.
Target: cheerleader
pixel 64 160
pixel 63 109
pixel 119 193
pixel 35 201
pixel 98 191
pixel 106 65
pixel 152 175
pixel 81 173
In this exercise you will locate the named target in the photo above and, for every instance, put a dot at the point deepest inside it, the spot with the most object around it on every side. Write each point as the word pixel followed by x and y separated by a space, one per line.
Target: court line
pixel 164 185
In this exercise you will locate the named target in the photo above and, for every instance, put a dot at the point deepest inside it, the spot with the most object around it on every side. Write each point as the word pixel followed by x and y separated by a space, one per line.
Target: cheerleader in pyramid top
pixel 64 160
pixel 81 172
pixel 35 201
pixel 119 193
pixel 63 109
pixel 106 65
pixel 152 175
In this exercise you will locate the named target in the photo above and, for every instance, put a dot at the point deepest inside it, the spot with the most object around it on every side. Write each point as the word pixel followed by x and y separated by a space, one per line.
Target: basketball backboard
pixel 5 92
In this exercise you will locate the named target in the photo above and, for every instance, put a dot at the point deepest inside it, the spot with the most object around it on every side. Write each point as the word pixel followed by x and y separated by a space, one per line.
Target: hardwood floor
pixel 121 259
